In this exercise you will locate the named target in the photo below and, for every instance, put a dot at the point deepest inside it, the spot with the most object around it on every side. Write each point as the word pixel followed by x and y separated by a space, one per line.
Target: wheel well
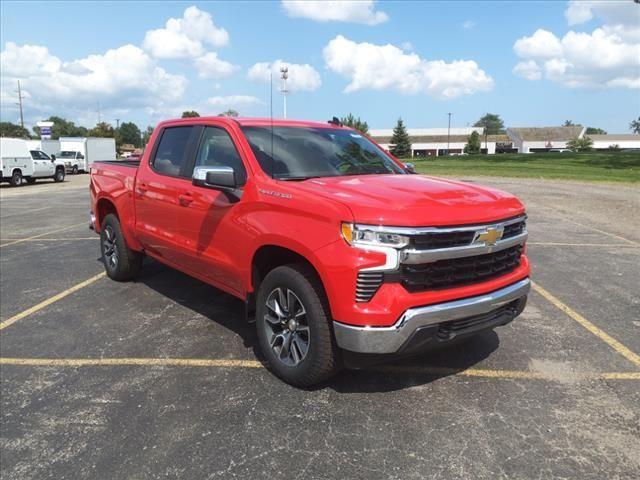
pixel 266 259
pixel 16 170
pixel 59 167
pixel 104 208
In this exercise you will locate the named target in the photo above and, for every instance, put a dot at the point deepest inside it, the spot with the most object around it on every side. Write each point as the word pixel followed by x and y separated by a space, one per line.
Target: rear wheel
pixel 74 170
pixel 16 178
pixel 59 175
pixel 293 326
pixel 120 262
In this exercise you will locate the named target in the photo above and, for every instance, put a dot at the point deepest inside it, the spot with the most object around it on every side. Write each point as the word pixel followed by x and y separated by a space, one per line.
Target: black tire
pixel 321 359
pixel 16 178
pixel 74 170
pixel 120 262
pixel 31 180
pixel 59 175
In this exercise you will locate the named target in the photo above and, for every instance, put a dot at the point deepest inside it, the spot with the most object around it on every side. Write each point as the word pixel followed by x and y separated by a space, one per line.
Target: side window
pixel 217 149
pixel 170 154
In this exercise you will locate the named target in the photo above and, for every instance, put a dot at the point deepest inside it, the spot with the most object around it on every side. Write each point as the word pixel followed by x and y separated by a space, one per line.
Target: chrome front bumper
pixel 392 339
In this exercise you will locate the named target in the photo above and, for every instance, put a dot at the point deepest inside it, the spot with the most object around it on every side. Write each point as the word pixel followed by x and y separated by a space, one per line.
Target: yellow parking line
pixel 42 234
pixel 557 244
pixel 49 301
pixel 602 231
pixel 253 364
pixel 51 239
pixel 612 342
pixel 160 362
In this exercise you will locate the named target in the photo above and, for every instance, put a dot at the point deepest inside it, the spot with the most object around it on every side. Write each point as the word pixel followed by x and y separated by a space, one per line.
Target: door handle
pixel 143 187
pixel 185 199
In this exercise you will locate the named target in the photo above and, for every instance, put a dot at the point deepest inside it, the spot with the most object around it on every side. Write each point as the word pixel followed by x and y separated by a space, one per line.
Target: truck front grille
pixel 367 285
pixel 457 272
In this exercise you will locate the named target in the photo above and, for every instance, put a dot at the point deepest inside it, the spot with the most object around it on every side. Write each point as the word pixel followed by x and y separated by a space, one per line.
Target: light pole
pixel 448 134
pixel 284 74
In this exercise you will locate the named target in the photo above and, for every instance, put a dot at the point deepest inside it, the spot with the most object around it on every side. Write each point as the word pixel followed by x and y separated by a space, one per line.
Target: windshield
pixel 67 154
pixel 304 152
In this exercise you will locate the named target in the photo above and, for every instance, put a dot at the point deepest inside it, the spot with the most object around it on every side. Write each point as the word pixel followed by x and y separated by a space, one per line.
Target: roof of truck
pixel 260 122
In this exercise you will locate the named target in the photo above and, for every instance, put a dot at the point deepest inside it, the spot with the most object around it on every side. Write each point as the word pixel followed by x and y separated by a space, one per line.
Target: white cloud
pixel 301 77
pixel 185 37
pixel 387 67
pixel 529 70
pixel 210 66
pixel 468 24
pixel 542 44
pixel 609 56
pixel 124 77
pixel 235 102
pixel 362 11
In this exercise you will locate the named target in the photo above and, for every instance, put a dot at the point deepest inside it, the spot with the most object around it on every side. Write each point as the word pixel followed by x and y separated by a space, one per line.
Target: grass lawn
pixel 590 166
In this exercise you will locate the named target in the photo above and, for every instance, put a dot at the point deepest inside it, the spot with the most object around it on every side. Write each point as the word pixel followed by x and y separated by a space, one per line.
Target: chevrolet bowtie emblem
pixel 489 236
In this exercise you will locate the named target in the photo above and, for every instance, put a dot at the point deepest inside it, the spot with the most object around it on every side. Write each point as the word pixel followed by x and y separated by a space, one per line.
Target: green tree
pixel 63 128
pixel 569 123
pixel 492 124
pixel 147 135
pixel 634 126
pixel 401 141
pixel 229 113
pixel 595 131
pixel 103 129
pixel 8 129
pixel 190 114
pixel 473 143
pixel 130 133
pixel 577 144
pixel 355 122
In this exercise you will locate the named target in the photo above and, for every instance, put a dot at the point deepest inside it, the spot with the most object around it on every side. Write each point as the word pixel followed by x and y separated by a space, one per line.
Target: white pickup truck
pixel 78 153
pixel 18 162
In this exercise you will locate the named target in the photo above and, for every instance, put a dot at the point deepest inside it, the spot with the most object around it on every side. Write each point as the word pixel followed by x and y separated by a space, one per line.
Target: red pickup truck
pixel 335 246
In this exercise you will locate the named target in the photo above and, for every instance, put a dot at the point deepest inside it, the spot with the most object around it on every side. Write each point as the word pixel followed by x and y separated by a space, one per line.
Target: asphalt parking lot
pixel 159 378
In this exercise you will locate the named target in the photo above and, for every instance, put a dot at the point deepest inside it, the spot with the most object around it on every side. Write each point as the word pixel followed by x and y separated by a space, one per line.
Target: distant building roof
pixel 443 138
pixel 619 137
pixel 542 134
pixel 416 132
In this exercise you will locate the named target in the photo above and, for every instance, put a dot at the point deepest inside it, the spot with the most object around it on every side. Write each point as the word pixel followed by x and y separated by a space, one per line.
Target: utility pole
pixel 449 134
pixel 20 104
pixel 284 74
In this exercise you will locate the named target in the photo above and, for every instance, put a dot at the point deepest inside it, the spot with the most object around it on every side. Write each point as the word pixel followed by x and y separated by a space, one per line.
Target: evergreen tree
pixel 129 133
pixel 355 122
pixel 492 124
pixel 595 131
pixel 401 141
pixel 190 114
pixel 473 143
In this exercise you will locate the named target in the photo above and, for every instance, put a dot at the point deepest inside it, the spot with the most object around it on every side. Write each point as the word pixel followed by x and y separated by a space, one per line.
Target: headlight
pixel 368 235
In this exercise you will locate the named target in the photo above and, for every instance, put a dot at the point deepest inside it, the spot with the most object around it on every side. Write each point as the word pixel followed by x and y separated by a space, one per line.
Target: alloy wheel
pixel 286 326
pixel 109 246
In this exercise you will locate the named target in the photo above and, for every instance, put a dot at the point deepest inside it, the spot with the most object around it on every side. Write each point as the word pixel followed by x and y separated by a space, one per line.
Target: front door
pixel 42 164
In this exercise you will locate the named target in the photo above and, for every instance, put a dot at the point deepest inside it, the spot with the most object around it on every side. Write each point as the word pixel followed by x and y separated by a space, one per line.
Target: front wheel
pixel 120 262
pixel 74 170
pixel 294 326
pixel 59 175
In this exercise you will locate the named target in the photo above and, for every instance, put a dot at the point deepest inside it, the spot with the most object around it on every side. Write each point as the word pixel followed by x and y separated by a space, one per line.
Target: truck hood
pixel 415 200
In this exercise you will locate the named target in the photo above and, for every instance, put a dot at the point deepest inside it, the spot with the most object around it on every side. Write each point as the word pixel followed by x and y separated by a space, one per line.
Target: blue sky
pixel 454 57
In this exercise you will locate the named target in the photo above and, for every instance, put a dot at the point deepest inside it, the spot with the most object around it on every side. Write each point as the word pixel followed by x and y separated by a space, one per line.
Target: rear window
pixel 170 154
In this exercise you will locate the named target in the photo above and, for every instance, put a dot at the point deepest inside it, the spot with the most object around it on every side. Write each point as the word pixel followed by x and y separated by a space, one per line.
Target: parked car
pixel 78 153
pixel 18 162
pixel 336 248
pixel 560 150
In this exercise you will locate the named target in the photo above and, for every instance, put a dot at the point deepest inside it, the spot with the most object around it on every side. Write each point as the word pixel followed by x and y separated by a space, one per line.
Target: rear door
pixel 159 190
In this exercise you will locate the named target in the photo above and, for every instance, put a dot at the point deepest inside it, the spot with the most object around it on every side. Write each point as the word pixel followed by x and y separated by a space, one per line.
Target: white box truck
pixel 48 146
pixel 17 161
pixel 78 153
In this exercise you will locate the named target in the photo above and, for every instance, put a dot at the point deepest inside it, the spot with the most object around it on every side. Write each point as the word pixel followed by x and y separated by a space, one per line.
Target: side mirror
pixel 410 167
pixel 53 158
pixel 220 178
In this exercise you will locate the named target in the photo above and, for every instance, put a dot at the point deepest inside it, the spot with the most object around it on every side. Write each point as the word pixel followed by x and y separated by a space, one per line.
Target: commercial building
pixel 431 142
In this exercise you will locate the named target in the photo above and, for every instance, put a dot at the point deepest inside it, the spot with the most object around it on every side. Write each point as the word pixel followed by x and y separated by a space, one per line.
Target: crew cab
pixel 18 162
pixel 338 250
